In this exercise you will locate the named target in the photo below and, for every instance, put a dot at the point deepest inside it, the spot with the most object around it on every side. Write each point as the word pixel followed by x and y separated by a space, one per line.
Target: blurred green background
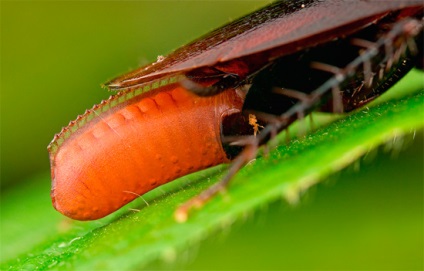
pixel 55 55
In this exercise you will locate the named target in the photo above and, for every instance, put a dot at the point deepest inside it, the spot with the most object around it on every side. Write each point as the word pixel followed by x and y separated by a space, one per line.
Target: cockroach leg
pixel 292 93
pixel 380 72
pixel 302 123
pixel 272 143
pixel 248 153
pixel 339 75
pixel 199 89
pixel 311 120
pixel 240 140
pixel 390 46
pixel 405 31
pixel 326 67
pixel 401 51
pixel 337 99
pixel 368 74
pixel 389 53
pixel 222 82
pixel 363 43
pixel 413 27
pixel 412 46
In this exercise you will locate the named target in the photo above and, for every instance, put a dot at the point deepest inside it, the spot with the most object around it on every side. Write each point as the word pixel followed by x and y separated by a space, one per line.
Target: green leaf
pixel 34 236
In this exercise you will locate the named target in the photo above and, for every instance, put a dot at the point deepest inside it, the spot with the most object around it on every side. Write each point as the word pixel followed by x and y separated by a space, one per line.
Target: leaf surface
pixel 35 236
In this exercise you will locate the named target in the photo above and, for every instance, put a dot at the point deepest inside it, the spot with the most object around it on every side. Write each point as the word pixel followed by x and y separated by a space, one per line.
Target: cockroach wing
pixel 279 29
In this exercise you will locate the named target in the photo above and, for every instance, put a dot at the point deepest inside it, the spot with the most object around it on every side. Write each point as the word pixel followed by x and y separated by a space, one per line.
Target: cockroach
pixel 221 97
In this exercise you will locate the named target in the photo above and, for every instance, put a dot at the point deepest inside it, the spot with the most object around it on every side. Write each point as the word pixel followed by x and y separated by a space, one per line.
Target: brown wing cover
pixel 274 31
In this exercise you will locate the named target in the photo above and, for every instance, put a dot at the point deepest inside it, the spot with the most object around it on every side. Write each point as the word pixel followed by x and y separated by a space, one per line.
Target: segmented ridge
pixel 104 106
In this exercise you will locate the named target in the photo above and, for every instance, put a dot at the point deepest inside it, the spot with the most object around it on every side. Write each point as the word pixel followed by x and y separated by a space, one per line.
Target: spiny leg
pixel 300 96
pixel 335 89
pixel 307 103
pixel 248 153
